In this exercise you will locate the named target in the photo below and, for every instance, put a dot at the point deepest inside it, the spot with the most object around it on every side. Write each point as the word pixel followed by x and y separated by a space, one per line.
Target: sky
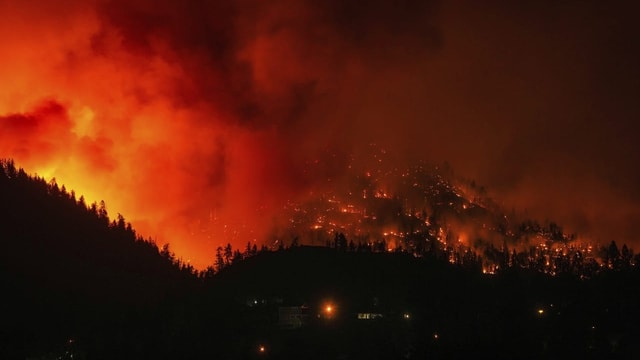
pixel 197 119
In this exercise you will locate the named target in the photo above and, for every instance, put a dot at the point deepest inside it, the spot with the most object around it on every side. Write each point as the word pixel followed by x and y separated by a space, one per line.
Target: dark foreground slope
pixel 71 279
pixel 426 308
pixel 75 285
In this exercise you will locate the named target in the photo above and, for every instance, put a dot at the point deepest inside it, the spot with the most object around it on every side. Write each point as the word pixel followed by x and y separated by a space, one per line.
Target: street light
pixel 328 310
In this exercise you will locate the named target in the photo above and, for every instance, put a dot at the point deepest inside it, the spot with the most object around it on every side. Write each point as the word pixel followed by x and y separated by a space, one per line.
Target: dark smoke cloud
pixel 41 131
pixel 549 116
pixel 268 63
pixel 280 67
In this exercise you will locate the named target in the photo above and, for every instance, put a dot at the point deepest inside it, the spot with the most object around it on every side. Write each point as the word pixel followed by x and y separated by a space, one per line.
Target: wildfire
pixel 118 119
pixel 175 111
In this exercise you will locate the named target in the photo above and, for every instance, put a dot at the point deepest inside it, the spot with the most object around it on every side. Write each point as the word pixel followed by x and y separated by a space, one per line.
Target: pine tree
pixel 219 262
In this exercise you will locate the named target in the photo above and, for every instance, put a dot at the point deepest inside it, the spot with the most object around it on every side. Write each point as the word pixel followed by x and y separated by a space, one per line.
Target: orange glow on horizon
pixel 111 124
pixel 200 122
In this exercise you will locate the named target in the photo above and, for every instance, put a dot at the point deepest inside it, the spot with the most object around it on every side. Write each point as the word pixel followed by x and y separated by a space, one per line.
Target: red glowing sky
pixel 174 112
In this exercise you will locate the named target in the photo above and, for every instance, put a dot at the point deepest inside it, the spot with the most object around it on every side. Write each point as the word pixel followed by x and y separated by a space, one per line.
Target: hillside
pixel 427 307
pixel 69 274
pixel 78 285
pixel 421 208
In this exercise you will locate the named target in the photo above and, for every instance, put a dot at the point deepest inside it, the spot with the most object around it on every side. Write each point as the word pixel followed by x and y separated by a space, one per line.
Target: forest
pixel 79 284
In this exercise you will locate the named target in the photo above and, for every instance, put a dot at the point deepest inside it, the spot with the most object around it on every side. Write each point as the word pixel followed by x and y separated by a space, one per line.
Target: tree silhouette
pixel 626 257
pixel 613 256
pixel 166 253
pixel 219 261
pixel 228 254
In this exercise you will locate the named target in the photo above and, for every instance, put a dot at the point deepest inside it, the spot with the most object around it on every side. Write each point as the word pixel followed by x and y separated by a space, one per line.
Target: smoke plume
pixel 197 120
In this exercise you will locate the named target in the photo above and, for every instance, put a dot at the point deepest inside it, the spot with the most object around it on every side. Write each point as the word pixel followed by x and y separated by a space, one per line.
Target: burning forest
pixel 200 122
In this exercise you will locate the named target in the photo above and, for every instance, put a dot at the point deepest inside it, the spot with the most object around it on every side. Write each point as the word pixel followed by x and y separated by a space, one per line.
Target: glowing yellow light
pixel 540 311
pixel 262 349
pixel 46 172
pixel 328 310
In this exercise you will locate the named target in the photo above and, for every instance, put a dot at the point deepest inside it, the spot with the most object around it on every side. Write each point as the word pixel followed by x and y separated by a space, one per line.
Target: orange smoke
pixel 80 106
pixel 183 117
pixel 198 119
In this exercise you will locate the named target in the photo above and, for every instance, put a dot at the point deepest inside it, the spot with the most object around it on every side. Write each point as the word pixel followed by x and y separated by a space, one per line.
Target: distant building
pixel 369 316
pixel 293 317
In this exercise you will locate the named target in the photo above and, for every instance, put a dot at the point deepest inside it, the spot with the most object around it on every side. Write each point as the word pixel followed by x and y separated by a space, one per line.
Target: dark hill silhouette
pixel 516 314
pixel 77 285
pixel 69 275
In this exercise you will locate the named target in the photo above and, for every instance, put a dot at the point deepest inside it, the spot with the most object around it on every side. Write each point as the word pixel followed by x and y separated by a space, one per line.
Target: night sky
pixel 174 112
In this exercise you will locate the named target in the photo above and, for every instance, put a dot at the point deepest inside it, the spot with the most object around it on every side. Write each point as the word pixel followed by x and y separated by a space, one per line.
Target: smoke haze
pixel 197 120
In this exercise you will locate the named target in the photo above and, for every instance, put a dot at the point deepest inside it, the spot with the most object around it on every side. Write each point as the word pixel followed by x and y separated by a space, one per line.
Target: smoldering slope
pixel 198 120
